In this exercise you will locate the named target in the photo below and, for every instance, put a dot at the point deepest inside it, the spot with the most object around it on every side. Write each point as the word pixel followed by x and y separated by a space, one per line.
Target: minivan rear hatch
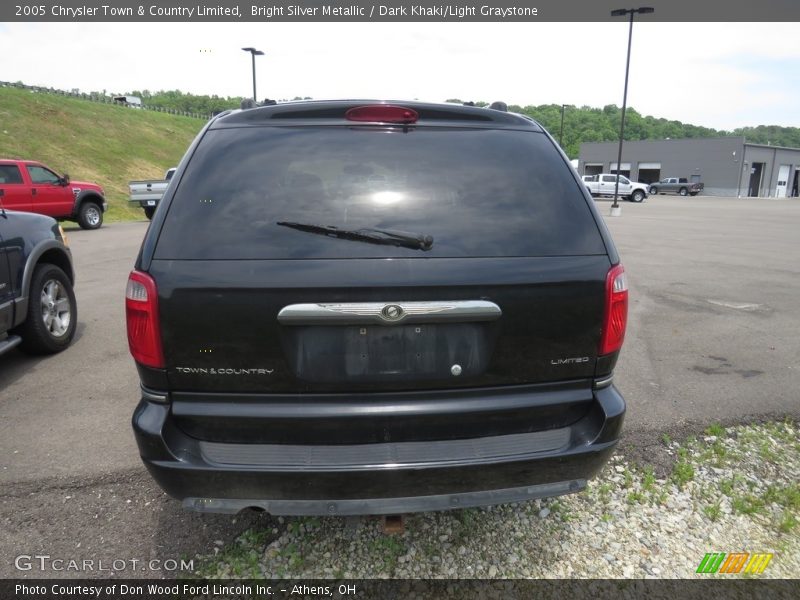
pixel 354 258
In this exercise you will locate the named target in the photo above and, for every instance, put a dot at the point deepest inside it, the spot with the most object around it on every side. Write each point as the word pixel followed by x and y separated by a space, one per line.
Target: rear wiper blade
pixel 386 237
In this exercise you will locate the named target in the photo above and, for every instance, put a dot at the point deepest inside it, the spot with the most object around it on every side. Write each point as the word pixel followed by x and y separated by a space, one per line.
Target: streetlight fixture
pixel 621 12
pixel 561 130
pixel 253 53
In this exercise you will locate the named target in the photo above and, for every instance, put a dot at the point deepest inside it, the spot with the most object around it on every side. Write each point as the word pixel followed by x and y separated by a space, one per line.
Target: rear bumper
pixel 381 478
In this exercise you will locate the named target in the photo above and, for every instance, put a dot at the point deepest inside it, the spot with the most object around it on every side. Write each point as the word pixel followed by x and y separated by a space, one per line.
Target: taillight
pixel 141 311
pixel 382 113
pixel 615 317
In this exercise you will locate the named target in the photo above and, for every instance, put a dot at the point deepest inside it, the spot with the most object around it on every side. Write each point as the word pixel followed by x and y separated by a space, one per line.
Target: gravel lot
pixel 730 490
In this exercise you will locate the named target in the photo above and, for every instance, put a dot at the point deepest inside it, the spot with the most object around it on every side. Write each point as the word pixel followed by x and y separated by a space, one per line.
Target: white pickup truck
pixel 603 185
pixel 148 192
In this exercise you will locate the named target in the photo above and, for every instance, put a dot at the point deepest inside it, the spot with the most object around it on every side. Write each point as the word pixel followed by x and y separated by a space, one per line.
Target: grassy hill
pixel 102 143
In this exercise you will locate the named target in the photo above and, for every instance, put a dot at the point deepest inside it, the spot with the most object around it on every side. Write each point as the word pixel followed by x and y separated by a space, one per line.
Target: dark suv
pixel 38 311
pixel 358 307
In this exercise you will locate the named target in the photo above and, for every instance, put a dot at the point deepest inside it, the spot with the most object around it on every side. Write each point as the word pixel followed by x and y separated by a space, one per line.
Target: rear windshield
pixel 477 192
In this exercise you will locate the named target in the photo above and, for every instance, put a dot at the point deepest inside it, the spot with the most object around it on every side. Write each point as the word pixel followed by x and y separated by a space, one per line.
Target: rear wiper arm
pixel 386 237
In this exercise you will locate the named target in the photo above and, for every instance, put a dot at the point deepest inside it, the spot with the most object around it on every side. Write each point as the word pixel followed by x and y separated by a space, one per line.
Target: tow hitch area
pixel 394 524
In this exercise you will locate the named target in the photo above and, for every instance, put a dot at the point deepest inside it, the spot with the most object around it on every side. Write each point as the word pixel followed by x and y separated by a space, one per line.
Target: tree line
pixel 588 124
pixel 193 103
pixel 581 123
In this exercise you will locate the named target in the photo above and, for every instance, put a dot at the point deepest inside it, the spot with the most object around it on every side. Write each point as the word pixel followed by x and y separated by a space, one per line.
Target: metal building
pixel 727 166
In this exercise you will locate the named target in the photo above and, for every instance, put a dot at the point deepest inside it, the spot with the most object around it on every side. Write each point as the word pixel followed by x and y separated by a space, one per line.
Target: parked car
pixel 38 311
pixel 147 193
pixel 30 186
pixel 604 184
pixel 676 185
pixel 370 308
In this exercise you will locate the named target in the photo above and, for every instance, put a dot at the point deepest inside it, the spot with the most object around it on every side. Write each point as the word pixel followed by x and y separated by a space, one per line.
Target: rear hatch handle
pixel 389 313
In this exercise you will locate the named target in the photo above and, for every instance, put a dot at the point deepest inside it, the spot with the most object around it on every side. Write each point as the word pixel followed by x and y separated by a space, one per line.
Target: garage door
pixel 592 168
pixel 649 172
pixel 625 170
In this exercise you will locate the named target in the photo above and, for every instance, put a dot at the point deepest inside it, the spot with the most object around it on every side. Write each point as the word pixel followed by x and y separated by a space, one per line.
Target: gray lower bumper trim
pixel 386 506
pixel 371 456
pixel 153 396
pixel 604 382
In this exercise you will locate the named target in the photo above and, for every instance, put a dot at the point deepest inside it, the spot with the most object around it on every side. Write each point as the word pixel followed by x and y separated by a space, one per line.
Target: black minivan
pixel 365 307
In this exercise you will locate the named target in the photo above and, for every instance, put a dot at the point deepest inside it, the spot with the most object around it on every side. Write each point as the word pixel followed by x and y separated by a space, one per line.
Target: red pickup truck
pixel 30 186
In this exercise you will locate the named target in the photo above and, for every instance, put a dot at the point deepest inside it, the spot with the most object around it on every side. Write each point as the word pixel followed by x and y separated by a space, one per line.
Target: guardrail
pixel 101 98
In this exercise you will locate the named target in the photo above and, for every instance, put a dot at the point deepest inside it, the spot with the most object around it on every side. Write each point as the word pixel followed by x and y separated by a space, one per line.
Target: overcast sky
pixel 712 74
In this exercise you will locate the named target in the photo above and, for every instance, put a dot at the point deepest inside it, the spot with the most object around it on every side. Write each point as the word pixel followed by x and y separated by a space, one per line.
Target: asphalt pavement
pixel 715 309
pixel 712 337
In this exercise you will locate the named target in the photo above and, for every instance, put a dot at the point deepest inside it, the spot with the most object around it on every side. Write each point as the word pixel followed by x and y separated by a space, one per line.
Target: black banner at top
pixel 452 11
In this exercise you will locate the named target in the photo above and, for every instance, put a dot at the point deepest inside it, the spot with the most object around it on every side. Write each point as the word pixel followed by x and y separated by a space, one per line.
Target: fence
pixel 101 98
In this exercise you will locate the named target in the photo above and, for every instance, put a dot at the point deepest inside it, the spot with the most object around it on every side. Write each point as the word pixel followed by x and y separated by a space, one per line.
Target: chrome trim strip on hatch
pixel 389 313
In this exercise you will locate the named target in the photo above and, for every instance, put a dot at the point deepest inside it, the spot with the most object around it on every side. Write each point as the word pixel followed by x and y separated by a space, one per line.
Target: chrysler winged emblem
pixel 392 312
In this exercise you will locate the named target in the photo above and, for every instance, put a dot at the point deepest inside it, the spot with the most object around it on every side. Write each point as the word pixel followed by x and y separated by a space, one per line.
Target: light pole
pixel 253 52
pixel 620 12
pixel 561 130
